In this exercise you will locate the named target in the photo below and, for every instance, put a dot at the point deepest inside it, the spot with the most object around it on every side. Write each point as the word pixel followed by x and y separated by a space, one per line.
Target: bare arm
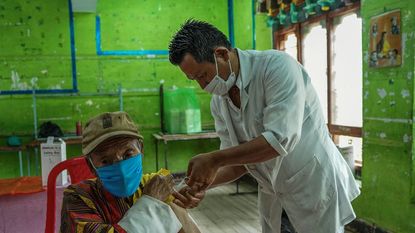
pixel 255 151
pixel 228 174
pixel 203 168
pixel 188 198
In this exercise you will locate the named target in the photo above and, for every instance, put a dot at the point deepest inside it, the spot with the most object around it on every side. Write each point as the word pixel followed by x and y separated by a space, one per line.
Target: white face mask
pixel 219 86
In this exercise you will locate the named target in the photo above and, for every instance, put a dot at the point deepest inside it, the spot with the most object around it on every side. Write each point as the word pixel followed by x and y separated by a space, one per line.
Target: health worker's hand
pixel 187 198
pixel 201 172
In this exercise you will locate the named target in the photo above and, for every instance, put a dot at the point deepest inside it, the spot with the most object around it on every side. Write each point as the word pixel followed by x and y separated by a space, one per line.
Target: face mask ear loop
pixel 230 66
pixel 216 63
pixel 92 164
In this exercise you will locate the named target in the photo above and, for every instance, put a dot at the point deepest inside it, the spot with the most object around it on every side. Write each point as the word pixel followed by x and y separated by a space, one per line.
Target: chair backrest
pixel 78 170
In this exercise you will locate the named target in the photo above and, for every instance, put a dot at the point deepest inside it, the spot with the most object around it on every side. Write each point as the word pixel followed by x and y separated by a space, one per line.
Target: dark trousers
pixel 286 226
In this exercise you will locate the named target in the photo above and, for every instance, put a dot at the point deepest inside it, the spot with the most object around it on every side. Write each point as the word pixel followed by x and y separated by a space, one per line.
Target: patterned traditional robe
pixel 88 207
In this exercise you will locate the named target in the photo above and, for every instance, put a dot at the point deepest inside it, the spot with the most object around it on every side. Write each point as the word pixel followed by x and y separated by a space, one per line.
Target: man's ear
pixel 222 52
pixel 140 145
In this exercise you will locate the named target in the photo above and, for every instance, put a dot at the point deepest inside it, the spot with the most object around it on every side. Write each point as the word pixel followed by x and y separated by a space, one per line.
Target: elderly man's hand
pixel 201 171
pixel 159 187
pixel 187 198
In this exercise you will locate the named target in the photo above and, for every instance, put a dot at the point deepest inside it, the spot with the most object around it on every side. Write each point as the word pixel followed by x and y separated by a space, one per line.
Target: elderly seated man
pixel 121 199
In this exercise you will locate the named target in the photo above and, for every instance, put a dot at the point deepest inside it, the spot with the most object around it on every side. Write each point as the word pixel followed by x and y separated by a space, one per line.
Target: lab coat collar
pixel 245 75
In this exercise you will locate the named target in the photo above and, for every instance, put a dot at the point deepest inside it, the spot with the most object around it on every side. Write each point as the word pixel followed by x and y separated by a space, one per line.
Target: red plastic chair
pixel 78 171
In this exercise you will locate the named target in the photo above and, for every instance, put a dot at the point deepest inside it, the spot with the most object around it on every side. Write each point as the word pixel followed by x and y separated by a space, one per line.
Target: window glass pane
pixel 356 143
pixel 347 71
pixel 315 60
pixel 291 45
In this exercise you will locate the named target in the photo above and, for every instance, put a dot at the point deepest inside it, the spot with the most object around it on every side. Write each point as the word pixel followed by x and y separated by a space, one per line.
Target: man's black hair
pixel 197 38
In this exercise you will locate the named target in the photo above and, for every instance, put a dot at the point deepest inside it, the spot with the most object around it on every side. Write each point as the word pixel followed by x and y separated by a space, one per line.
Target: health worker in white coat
pixel 271 125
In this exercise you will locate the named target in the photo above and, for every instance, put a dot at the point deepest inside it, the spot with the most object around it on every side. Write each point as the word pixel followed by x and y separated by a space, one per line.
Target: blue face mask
pixel 122 178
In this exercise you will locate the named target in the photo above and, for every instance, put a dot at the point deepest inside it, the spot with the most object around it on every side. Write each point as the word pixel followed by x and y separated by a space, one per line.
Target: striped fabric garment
pixel 88 207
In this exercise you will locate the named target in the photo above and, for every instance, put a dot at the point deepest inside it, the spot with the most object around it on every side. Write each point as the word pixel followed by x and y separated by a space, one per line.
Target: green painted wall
pixel 35 52
pixel 388 128
pixel 244 27
pixel 263 33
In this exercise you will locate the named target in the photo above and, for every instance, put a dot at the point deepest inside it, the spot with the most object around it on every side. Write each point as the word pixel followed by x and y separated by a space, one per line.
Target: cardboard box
pixel 53 152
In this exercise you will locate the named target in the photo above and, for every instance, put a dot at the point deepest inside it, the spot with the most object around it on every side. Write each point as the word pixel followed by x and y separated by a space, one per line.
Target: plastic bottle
pixel 78 128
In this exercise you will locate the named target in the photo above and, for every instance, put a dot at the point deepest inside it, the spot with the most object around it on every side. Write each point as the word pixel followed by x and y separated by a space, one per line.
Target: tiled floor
pixel 223 211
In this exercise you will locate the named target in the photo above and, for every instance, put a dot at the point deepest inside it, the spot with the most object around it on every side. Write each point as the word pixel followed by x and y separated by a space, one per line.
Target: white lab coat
pixel 310 179
pixel 150 215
